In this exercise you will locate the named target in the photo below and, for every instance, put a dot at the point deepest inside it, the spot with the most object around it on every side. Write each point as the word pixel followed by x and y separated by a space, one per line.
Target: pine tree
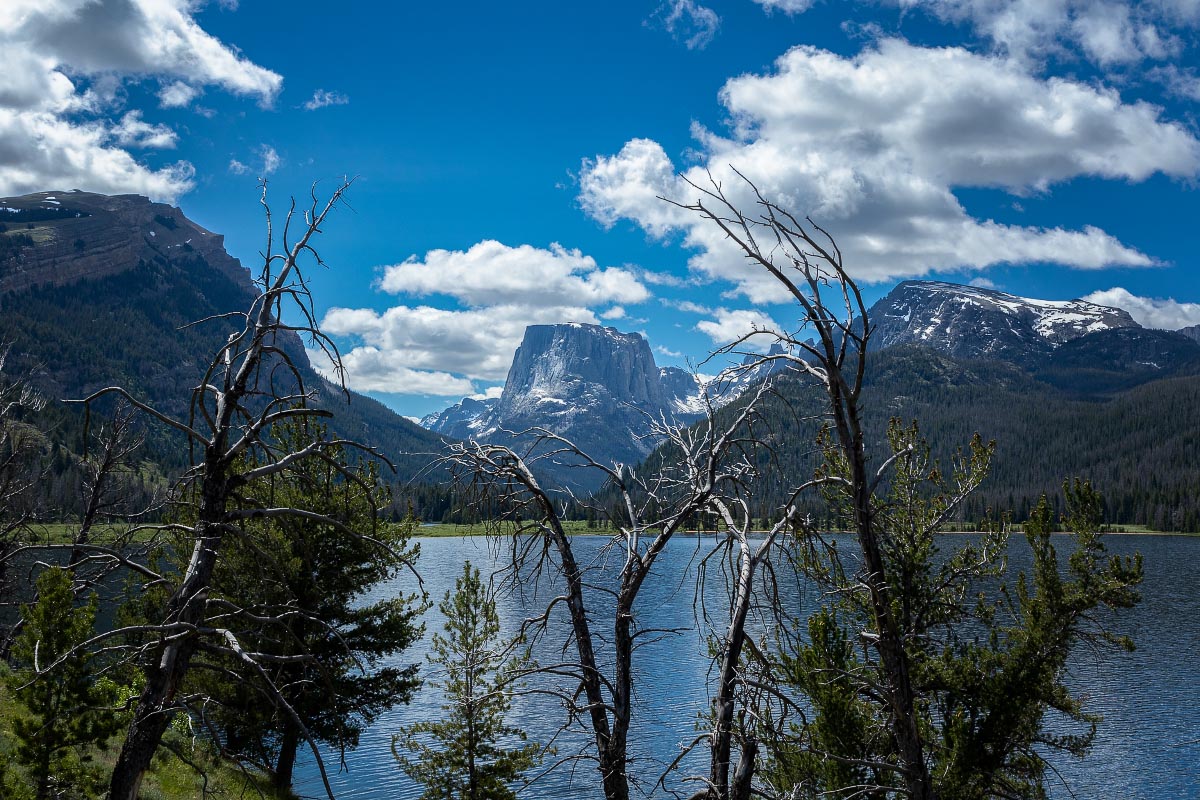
pixel 65 705
pixel 466 755
pixel 987 658
pixel 298 585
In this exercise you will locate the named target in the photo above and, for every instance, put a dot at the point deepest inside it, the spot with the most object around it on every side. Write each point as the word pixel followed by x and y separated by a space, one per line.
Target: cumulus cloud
pixel 270 159
pixel 499 289
pixel 493 273
pixel 689 22
pixel 1151 312
pixel 177 95
pixel 65 63
pixel 39 151
pixel 730 325
pixel 490 393
pixel 873 147
pixel 378 371
pixel 322 98
pixel 1108 32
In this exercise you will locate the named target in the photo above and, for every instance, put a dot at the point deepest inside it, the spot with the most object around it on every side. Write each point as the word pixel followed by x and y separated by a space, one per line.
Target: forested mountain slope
pixel 1140 445
pixel 98 291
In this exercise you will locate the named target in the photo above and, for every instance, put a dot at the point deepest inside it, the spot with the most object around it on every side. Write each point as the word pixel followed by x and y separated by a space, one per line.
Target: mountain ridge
pixel 122 309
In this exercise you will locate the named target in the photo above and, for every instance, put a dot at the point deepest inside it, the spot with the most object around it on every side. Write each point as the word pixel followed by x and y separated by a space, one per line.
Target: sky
pixel 509 158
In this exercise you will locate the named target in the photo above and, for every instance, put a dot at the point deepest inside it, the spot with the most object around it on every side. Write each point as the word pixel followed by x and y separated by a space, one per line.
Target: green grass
pixel 64 533
pixel 169 777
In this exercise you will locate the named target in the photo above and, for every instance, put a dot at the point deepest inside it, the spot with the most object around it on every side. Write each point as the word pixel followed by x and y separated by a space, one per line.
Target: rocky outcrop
pixel 464 420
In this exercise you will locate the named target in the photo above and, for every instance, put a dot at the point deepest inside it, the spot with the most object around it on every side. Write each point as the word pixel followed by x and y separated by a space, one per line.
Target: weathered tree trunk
pixel 727 681
pixel 898 686
pixel 286 763
pixel 185 611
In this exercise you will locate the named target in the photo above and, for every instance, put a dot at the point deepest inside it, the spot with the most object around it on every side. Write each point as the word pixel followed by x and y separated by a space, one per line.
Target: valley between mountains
pixel 99 290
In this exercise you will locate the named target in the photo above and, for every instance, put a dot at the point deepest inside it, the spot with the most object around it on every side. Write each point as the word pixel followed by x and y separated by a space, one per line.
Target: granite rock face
pixel 1191 331
pixel 595 385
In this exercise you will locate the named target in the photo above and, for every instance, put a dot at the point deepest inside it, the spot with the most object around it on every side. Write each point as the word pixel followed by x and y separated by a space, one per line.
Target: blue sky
pixel 508 155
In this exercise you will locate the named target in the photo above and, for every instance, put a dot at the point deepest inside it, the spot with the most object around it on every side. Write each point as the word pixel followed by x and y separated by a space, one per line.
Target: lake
pixel 1146 749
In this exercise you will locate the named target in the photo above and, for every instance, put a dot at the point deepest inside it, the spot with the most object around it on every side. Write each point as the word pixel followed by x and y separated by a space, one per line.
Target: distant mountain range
pixel 1067 388
pixel 601 387
pixel 98 290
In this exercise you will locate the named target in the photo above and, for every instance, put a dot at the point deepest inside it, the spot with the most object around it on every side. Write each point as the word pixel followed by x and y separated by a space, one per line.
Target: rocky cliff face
pixel 567 370
pixel 468 419
pixel 597 386
pixel 84 236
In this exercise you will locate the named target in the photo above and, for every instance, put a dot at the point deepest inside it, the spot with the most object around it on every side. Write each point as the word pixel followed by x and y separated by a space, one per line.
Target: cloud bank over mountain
pixel 873 146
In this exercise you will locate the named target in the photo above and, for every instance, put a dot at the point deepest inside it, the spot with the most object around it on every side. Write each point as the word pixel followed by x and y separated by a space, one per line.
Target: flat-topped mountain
pixel 594 385
pixel 61 238
pixel 98 291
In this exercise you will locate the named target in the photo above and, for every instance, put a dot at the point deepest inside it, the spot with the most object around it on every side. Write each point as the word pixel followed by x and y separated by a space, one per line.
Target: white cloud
pixel 786 6
pixel 873 147
pixel 689 22
pixel 490 393
pixel 177 95
pixel 982 283
pixel 39 151
pixel 370 370
pixel 1151 312
pixel 1108 32
pixel 270 159
pixel 492 273
pixel 500 290
pixel 666 351
pixel 1180 82
pixel 475 343
pixel 322 98
pixel 687 306
pixel 728 326
pixel 133 131
pixel 65 65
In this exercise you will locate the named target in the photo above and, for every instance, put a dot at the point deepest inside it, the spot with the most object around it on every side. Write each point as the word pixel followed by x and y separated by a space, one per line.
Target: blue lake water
pixel 1147 747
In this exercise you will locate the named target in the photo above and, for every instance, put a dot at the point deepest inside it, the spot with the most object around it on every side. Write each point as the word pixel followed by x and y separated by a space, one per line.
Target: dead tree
pixel 250 384
pixel 20 454
pixel 830 346
pixel 709 464
pixel 105 494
